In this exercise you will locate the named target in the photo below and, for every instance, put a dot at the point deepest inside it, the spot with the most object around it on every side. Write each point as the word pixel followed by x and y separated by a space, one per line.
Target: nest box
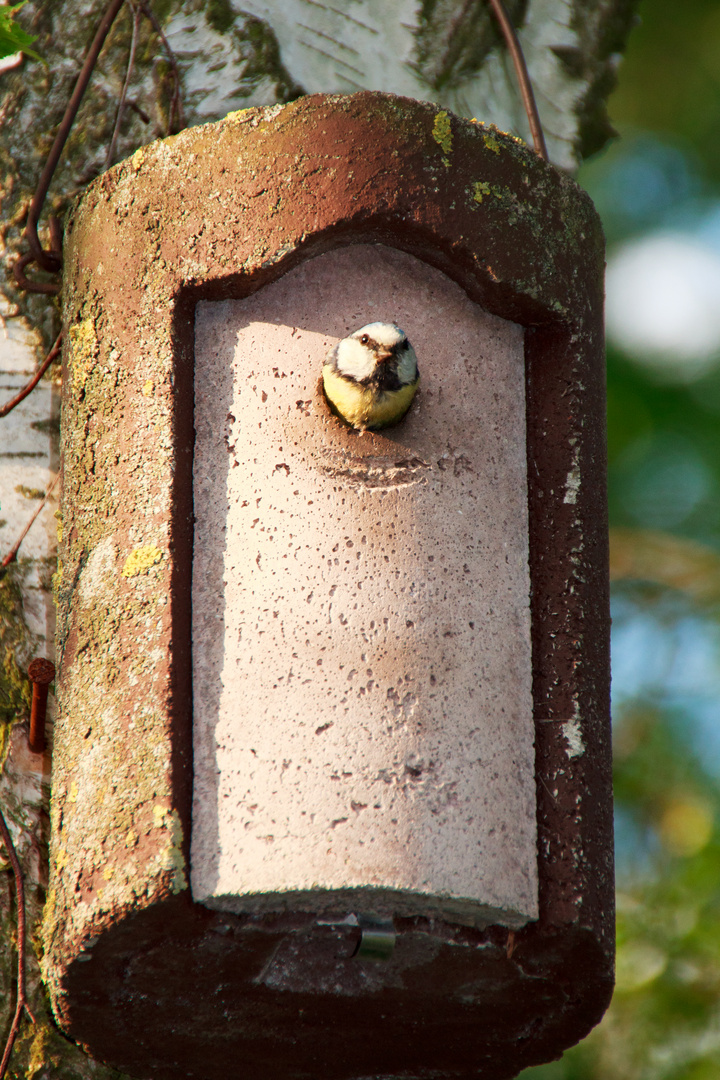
pixel 331 787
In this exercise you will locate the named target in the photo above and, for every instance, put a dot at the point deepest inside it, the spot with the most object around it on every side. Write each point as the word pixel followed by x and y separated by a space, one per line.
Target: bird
pixel 370 377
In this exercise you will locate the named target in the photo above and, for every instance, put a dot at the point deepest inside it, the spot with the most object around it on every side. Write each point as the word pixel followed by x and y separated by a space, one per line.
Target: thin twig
pixel 176 103
pixel 515 50
pixel 21 1003
pixel 10 405
pixel 13 552
pixel 26 283
pixel 141 112
pixel 128 75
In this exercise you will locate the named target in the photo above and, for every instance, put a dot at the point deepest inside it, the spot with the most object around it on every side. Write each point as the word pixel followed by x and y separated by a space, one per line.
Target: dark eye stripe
pixel 377 347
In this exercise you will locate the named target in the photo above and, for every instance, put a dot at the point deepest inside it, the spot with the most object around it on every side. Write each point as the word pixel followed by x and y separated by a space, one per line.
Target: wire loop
pixel 24 282
pixel 51 260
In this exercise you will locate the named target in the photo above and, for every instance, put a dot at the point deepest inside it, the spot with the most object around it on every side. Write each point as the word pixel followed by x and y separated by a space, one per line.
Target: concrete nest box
pixel 331 788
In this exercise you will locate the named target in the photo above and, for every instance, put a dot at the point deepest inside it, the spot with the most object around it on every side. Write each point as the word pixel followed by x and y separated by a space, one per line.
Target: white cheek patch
pixel 407 368
pixel 354 359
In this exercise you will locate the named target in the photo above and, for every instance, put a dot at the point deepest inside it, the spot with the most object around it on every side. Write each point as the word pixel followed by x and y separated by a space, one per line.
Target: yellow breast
pixel 364 407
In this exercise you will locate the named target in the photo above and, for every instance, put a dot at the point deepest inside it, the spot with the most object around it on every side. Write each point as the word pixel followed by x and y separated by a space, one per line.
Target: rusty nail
pixel 41 673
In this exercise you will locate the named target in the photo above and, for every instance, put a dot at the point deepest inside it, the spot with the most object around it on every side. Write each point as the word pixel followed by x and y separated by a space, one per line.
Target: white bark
pixel 454 57
pixel 349 45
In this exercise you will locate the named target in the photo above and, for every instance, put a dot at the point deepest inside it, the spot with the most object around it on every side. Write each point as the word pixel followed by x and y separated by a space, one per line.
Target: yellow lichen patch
pixel 148 388
pixel 492 143
pixel 480 190
pixel 108 873
pixel 140 560
pixel 442 134
pixel 137 159
pixel 173 858
pixel 236 117
pixel 85 345
pixel 72 797
pixel 131 839
pixel 29 493
pixel 38 1050
pixel 61 858
pixel 175 826
pixel 176 863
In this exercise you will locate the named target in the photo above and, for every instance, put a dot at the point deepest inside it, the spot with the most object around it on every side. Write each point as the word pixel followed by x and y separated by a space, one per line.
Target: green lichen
pixel 491 143
pixel 442 134
pixel 29 493
pixel 51 426
pixel 41 1051
pixel 220 15
pixel 17 646
pixel 480 190
pixel 39 1047
pixel 514 208
pixel 57 583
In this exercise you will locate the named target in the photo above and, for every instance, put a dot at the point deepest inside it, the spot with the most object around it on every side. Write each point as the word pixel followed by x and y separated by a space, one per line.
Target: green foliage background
pixel 12 38
pixel 664 172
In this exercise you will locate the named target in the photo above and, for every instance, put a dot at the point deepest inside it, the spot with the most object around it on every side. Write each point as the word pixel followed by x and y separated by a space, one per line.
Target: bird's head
pixel 377 350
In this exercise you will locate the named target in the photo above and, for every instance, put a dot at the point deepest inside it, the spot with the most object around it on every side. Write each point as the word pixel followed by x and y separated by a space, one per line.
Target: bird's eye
pixel 364 339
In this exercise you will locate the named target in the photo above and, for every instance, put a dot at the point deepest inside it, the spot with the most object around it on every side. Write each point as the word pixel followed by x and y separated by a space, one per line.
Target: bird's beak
pixel 384 357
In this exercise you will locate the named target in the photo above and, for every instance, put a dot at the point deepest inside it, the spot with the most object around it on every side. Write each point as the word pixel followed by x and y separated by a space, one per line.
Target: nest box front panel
pixel 361 624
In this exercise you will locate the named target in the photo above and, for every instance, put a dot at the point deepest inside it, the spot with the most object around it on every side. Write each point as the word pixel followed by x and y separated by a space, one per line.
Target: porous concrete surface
pixel 361 631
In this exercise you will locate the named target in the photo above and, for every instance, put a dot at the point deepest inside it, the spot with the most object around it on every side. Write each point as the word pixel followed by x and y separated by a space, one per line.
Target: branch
pixel 10 405
pixel 521 71
pixel 128 75
pixel 12 553
pixel 176 109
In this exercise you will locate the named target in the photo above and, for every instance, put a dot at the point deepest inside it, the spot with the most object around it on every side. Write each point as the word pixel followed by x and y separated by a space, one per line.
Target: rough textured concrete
pixel 361 622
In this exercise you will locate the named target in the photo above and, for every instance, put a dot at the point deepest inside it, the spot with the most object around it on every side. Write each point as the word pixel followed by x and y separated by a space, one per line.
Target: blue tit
pixel 370 377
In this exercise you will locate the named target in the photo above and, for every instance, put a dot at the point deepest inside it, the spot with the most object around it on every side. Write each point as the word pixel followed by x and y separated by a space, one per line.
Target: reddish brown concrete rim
pixel 564 353
pixel 522 240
